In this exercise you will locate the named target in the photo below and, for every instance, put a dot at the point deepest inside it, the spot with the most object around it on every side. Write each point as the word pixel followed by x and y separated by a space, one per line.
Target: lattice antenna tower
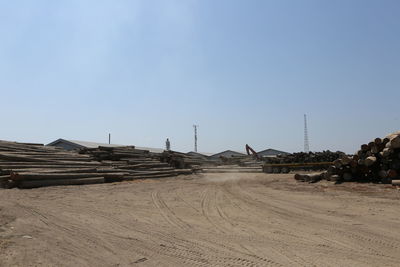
pixel 195 137
pixel 306 142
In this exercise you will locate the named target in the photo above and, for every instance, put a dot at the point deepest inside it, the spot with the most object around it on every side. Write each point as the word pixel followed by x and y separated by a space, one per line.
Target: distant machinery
pixel 250 151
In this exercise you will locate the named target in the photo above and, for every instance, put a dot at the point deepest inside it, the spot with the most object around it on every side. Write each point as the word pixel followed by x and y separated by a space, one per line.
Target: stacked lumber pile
pixel 32 165
pixel 135 163
pixel 251 163
pixel 233 160
pixel 184 161
pixel 302 157
pixel 378 162
pixel 232 169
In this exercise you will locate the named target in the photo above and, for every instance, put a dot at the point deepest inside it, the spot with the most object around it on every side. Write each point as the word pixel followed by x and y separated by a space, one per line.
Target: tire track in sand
pixel 167 213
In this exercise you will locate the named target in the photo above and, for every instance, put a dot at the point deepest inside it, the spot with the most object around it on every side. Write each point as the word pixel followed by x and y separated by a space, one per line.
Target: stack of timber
pixel 232 169
pixel 135 163
pixel 184 161
pixel 302 157
pixel 34 165
pixel 288 167
pixel 233 160
pixel 377 162
pixel 312 161
pixel 250 161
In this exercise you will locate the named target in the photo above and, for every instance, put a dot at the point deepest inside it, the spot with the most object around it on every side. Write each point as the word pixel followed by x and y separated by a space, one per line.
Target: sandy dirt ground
pixel 210 220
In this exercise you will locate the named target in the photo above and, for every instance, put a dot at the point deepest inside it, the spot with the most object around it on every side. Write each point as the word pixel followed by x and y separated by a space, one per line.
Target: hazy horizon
pixel 244 71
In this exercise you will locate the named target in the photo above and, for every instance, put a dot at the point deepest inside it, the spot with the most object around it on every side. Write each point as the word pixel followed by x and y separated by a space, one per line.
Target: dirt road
pixel 213 220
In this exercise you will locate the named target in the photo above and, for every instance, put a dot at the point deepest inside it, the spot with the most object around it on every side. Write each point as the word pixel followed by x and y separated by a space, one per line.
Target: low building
pixel 271 153
pixel 227 154
pixel 76 144
pixel 199 154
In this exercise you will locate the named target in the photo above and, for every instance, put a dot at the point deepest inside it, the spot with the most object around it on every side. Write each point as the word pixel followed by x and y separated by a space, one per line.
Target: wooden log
pixel 370 161
pixel 50 170
pixel 385 141
pixel 332 170
pixel 353 164
pixel 20 158
pixel 300 177
pixel 386 152
pixel 3 180
pixel 267 169
pixel 374 149
pixel 135 177
pixel 29 166
pixel 345 160
pixel 370 145
pixel 364 148
pixel 55 176
pixel 395 142
pixel 145 165
pixel 378 141
pixel 347 176
pixel 396 182
pixel 190 171
pixel 337 163
pixel 326 175
pixel 383 174
pixel 42 183
pixel 392 173
pixel 395 164
pixel 335 178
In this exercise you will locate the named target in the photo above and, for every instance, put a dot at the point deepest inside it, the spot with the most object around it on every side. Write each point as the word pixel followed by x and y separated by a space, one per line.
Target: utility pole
pixel 306 142
pixel 195 137
pixel 109 138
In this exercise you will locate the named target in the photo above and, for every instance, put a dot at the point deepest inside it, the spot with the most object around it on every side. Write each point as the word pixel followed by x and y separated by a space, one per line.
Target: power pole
pixel 195 137
pixel 109 138
pixel 306 142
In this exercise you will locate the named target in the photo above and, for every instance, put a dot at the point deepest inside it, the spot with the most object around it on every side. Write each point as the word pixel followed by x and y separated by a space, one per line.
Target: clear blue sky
pixel 245 71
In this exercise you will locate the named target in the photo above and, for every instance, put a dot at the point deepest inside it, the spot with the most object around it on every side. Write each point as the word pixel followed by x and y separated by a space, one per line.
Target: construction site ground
pixel 202 220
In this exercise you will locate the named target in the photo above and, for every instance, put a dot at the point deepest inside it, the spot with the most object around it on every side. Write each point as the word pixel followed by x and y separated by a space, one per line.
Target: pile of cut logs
pixel 302 157
pixel 232 169
pixel 135 163
pixel 378 161
pixel 33 165
pixel 233 160
pixel 184 161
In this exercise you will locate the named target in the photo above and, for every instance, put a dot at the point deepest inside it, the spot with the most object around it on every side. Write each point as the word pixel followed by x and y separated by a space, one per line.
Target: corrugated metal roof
pixel 271 151
pixel 200 153
pixel 82 143
pixel 228 151
pixel 95 145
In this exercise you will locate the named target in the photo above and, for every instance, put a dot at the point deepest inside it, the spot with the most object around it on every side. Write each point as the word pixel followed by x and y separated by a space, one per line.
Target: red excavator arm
pixel 249 149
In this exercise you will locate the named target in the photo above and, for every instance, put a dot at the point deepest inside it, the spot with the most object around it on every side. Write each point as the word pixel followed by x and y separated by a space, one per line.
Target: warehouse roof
pixel 228 152
pixel 86 144
pixel 82 143
pixel 204 154
pixel 271 152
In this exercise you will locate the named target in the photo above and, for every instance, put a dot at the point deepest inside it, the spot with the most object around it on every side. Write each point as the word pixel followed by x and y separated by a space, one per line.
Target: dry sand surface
pixel 213 220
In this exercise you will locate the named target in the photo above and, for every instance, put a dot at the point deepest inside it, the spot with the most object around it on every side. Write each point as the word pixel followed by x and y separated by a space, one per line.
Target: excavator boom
pixel 249 149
